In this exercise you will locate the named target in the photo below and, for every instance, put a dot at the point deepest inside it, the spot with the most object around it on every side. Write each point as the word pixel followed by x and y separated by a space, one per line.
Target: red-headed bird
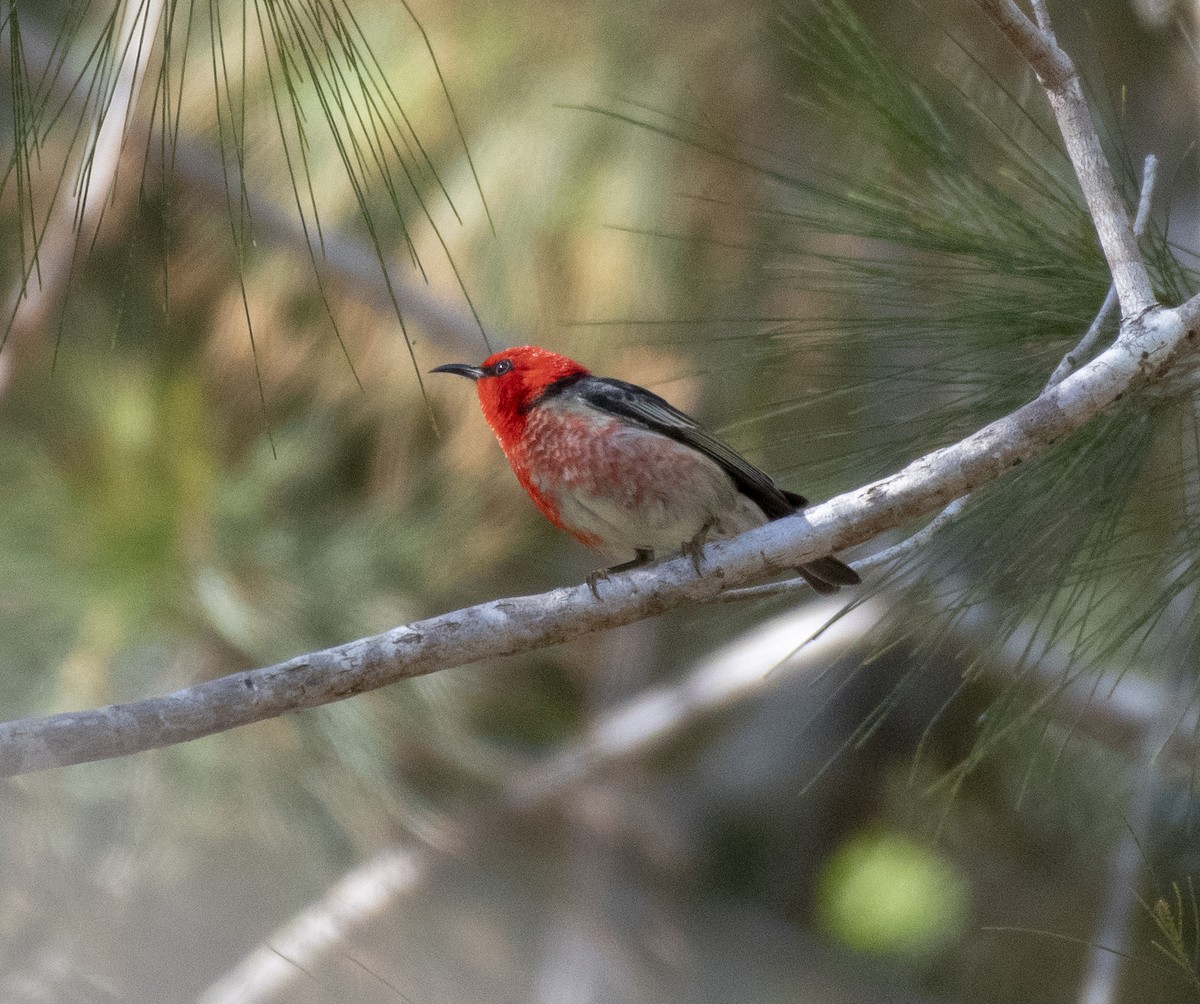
pixel 620 469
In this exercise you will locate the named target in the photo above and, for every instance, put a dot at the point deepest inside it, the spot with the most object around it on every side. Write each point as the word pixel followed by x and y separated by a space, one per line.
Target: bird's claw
pixel 643 555
pixel 694 548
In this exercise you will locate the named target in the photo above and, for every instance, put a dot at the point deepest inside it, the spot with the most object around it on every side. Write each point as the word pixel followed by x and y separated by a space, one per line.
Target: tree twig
pixel 1087 343
pixel 362 893
pixel 1061 80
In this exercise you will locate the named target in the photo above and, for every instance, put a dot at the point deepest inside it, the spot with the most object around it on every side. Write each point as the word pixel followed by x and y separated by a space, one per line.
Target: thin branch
pixel 1042 52
pixel 1061 80
pixel 1146 195
pixel 1035 42
pixel 1042 14
pixel 1072 359
pixel 358 896
pixel 1145 352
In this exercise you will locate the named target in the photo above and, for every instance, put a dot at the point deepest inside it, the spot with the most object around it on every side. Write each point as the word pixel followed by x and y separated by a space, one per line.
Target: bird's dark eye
pixel 502 367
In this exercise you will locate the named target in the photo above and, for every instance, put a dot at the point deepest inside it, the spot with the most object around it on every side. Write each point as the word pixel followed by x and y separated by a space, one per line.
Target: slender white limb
pixel 1061 81
pixel 1072 359
pixel 292 950
pixel 1146 351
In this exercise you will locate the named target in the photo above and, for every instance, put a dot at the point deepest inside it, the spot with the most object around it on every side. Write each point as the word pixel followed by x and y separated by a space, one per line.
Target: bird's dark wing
pixel 638 405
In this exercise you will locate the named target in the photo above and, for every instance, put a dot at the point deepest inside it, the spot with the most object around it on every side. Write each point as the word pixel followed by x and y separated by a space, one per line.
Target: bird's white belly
pixel 646 492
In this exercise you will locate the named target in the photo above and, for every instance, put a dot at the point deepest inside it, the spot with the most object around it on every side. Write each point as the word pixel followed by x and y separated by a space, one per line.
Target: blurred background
pixel 842 236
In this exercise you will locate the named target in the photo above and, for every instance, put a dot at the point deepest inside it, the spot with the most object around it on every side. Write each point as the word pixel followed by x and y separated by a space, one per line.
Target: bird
pixel 620 469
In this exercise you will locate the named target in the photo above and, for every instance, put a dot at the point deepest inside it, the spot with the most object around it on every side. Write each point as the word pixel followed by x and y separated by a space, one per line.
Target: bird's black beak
pixel 462 369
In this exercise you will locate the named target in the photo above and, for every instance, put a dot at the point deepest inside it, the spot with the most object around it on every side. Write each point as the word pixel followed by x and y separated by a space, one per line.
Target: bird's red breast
pixel 508 399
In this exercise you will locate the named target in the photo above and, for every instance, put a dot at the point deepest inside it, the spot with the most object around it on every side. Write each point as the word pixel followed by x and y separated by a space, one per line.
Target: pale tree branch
pixel 361 894
pixel 1091 337
pixel 1061 80
pixel 1146 351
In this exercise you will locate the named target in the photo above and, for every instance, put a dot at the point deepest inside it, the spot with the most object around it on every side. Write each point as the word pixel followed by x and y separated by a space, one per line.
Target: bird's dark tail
pixel 828 575
pixel 825 575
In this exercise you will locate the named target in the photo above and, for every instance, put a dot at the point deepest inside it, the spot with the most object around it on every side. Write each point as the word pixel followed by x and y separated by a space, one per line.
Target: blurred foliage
pixel 844 237
pixel 1174 918
pixel 890 895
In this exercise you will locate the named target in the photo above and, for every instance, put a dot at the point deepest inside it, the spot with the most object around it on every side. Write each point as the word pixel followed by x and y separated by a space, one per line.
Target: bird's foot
pixel 644 555
pixel 694 548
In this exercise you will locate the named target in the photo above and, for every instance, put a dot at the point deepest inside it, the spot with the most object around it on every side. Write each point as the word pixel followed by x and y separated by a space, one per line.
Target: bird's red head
pixel 511 380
